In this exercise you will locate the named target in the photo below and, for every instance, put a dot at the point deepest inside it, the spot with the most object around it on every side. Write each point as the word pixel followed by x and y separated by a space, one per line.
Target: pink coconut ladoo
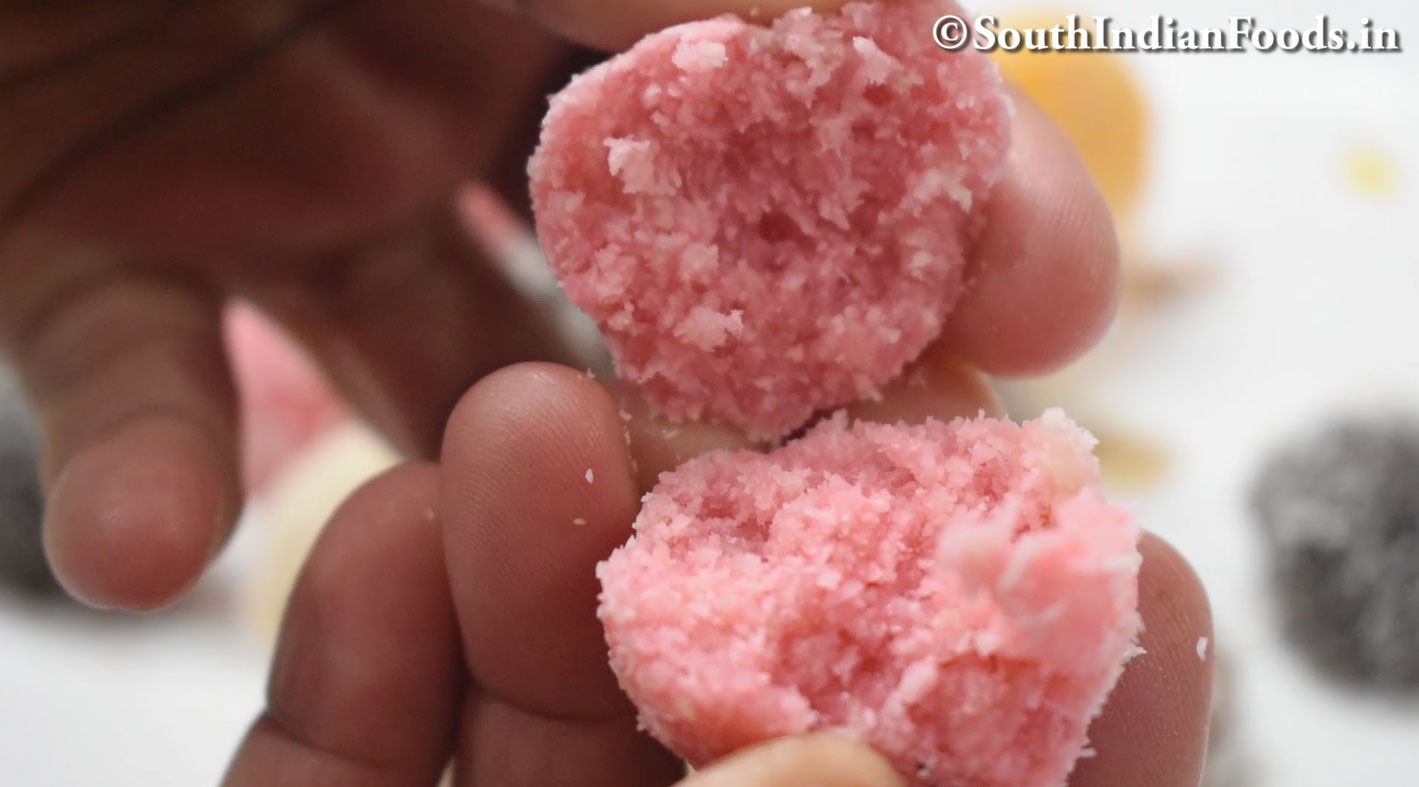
pixel 766 222
pixel 959 596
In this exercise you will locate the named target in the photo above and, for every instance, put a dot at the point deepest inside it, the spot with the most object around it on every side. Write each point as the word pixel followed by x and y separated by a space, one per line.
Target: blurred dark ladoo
pixel 1340 511
pixel 22 563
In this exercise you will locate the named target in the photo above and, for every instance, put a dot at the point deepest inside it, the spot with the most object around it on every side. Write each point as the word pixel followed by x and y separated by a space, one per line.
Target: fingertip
pixel 367 675
pixel 1045 274
pixel 1153 729
pixel 392 510
pixel 1170 592
pixel 536 489
pixel 822 759
pixel 133 518
pixel 517 403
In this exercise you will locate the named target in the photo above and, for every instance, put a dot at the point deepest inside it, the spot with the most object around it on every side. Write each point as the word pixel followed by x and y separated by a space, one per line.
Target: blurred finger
pixel 1044 278
pixel 937 385
pixel 367 677
pixel 137 409
pixel 538 489
pixel 406 323
pixel 818 760
pixel 616 25
pixel 659 444
pixel 507 173
pixel 506 746
pixel 1153 730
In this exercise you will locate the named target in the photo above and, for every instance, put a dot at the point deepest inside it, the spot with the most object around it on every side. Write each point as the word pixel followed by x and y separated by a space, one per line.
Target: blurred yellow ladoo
pixel 1093 97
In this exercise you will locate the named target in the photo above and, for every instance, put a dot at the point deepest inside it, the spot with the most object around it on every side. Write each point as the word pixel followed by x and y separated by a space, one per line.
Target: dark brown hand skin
pixel 303 154
pixel 160 156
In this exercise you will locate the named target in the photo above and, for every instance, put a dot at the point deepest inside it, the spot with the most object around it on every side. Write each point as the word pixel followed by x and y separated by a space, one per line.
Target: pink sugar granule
pixel 769 221
pixel 959 596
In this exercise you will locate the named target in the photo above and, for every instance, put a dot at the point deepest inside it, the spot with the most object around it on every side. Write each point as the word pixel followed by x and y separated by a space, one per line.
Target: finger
pixel 615 26
pixel 367 678
pixel 659 444
pixel 938 385
pixel 406 323
pixel 819 760
pixel 502 745
pixel 1153 730
pixel 507 174
pixel 538 489
pixel 1044 277
pixel 136 409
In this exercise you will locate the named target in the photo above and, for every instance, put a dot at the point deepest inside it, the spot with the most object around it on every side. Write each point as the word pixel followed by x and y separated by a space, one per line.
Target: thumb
pixel 128 376
pixel 817 760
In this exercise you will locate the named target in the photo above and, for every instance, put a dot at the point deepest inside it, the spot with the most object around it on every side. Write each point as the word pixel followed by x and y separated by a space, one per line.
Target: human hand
pixel 304 155
pixel 448 612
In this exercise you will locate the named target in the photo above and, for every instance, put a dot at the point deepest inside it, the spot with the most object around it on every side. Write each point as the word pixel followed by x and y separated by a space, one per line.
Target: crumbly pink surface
pixel 957 595
pixel 766 222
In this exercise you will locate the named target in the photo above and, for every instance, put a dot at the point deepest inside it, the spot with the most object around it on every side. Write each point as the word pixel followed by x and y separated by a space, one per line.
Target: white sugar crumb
pixel 1087 752
pixel 699 262
pixel 708 329
pixel 865 46
pixel 579 521
pixel 699 56
pixel 1202 648
pixel 935 183
pixel 876 65
pixel 920 262
pixel 590 476
pixel 959 194
pixel 634 162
